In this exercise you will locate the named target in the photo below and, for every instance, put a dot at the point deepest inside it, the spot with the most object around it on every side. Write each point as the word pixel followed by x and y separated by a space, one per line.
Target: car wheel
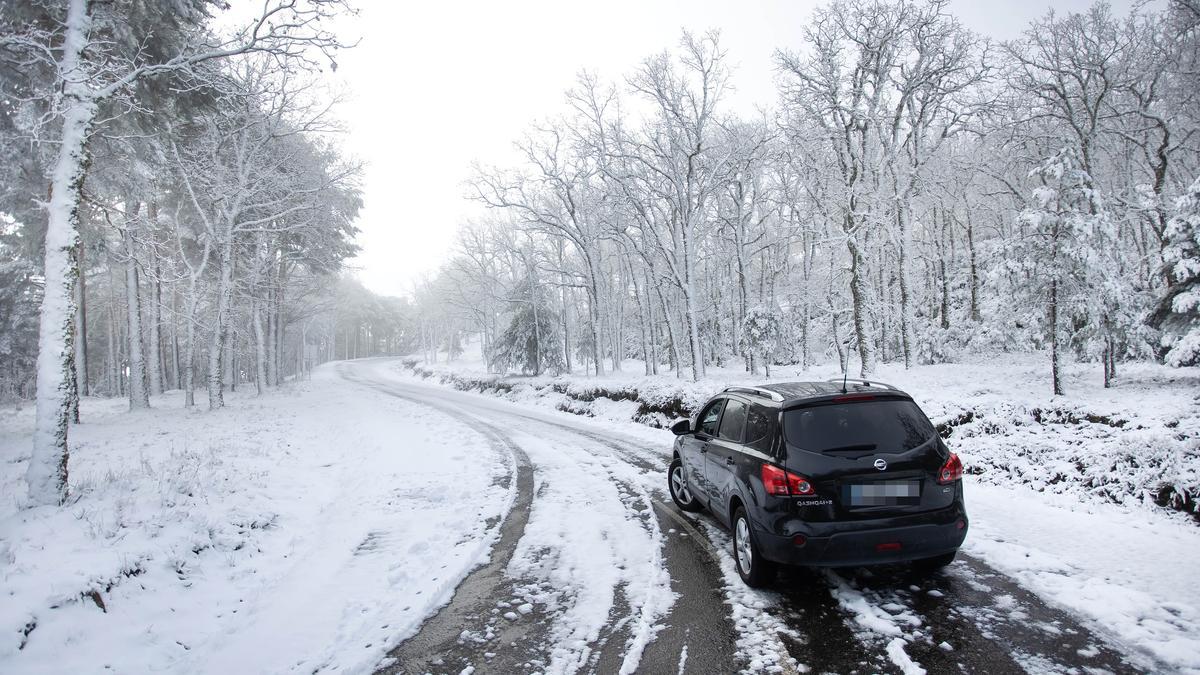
pixel 677 484
pixel 755 570
pixel 937 562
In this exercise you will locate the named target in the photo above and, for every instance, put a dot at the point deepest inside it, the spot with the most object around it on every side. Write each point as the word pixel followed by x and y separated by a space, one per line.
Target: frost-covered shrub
pixel 1082 452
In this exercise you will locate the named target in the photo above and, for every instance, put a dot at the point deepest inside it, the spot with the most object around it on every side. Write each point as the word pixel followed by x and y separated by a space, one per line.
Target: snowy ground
pixel 1062 494
pixel 318 528
pixel 294 532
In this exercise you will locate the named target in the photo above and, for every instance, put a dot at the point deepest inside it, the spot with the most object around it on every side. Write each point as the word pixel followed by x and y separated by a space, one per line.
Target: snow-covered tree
pixel 1178 313
pixel 760 336
pixel 1054 259
pixel 95 53
pixel 532 342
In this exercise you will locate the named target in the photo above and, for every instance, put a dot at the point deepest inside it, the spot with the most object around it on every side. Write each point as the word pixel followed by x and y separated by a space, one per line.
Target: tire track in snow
pixel 468 628
pixel 698 622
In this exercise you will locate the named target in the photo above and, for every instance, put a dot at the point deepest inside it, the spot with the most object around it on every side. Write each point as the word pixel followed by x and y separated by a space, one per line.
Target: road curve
pixel 970 618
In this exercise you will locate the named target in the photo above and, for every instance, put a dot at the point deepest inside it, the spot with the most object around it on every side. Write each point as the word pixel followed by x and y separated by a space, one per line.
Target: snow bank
pixel 272 536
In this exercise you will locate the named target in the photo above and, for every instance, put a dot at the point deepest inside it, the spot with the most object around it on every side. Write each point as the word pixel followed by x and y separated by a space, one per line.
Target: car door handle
pixel 729 461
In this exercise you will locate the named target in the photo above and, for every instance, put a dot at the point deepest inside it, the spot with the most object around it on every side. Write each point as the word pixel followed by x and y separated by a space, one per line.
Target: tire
pixel 931 565
pixel 754 570
pixel 677 486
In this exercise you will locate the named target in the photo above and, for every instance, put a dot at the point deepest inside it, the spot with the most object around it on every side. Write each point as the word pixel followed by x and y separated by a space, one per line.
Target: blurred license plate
pixel 884 493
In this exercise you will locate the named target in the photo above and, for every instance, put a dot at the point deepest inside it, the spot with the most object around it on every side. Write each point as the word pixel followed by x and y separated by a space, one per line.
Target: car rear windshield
pixel 882 426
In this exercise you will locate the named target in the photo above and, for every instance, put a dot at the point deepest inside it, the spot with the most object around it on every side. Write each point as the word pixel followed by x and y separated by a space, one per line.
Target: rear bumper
pixel 866 543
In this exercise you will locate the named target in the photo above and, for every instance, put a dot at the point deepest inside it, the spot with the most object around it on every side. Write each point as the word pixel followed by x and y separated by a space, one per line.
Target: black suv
pixel 830 474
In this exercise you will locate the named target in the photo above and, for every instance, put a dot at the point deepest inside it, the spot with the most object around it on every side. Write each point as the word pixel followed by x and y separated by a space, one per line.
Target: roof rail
pixel 755 391
pixel 865 383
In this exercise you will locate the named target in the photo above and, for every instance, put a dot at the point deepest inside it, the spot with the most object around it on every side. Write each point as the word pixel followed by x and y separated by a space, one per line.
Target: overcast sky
pixel 435 86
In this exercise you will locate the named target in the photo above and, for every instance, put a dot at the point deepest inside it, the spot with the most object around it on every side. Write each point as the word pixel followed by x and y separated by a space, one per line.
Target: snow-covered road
pixel 605 576
pixel 368 520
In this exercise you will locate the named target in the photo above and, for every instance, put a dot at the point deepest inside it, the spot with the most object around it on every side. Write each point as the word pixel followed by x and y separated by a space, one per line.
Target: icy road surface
pixel 596 571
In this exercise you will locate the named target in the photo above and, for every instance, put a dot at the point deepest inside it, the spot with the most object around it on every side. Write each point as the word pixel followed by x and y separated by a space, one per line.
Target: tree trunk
pixel 566 324
pixel 46 474
pixel 653 329
pixel 862 320
pixel 906 338
pixel 260 349
pixel 842 352
pixel 216 352
pixel 113 384
pixel 175 375
pixel 139 392
pixel 973 269
pixel 154 362
pixel 594 316
pixel 189 362
pixel 672 342
pixel 233 369
pixel 157 364
pixel 617 329
pixel 947 251
pixel 694 337
pixel 1055 373
pixel 272 335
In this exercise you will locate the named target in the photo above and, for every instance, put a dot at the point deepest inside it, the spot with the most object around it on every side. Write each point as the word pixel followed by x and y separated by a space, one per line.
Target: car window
pixel 708 418
pixel 760 427
pixel 885 426
pixel 733 421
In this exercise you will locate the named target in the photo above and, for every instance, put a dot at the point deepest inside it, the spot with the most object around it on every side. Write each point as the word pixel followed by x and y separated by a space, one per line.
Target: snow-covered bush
pixel 1079 451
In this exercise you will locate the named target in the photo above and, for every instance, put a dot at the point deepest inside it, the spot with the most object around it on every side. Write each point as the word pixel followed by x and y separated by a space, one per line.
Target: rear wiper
pixel 863 447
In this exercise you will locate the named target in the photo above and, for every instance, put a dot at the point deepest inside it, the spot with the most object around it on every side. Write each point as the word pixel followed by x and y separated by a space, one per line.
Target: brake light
pixel 856 397
pixel 951 471
pixel 780 483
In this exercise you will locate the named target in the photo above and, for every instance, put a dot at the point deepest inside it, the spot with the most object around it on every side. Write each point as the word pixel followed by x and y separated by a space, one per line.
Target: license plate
pixel 885 493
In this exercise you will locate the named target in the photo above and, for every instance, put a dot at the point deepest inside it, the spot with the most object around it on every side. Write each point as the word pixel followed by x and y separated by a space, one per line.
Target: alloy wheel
pixel 741 540
pixel 679 486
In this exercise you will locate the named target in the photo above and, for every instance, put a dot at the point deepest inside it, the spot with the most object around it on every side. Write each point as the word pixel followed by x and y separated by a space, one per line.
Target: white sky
pixel 435 86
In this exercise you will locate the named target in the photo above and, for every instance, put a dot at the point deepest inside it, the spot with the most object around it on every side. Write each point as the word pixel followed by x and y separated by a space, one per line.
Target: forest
pixel 176 211
pixel 917 193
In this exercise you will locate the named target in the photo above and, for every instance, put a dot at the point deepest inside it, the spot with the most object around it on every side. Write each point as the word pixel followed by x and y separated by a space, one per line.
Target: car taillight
pixel 951 471
pixel 780 483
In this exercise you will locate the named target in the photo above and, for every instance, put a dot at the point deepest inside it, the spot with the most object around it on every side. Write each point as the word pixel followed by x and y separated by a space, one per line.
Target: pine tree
pixel 1178 313
pixel 533 339
pixel 760 335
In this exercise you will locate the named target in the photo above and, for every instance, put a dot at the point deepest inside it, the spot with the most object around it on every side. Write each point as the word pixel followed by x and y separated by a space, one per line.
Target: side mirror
pixel 682 427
